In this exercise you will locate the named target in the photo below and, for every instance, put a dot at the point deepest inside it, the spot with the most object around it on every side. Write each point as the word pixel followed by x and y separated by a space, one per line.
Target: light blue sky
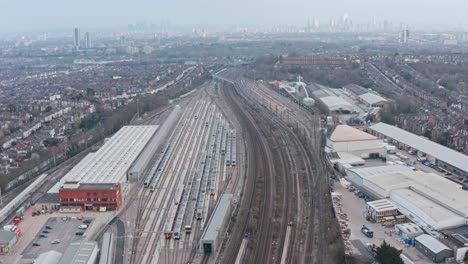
pixel 22 15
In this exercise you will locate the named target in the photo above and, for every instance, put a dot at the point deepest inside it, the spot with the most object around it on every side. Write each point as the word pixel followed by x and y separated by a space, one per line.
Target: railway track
pixel 311 209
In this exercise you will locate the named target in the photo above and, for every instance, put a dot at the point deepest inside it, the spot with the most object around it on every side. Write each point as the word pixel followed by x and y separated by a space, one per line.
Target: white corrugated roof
pixel 112 161
pixel 409 228
pixel 438 151
pixel 335 103
pixel 382 205
pixel 372 98
pixel 431 243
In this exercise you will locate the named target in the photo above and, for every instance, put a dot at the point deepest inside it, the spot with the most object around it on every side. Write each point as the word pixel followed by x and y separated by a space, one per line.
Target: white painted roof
pixel 112 161
pixel 431 243
pixel 372 98
pixel 429 197
pixel 382 205
pixel 409 228
pixel 438 151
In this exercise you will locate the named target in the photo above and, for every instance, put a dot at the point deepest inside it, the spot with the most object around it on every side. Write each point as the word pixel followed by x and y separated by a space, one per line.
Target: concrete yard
pixel 355 209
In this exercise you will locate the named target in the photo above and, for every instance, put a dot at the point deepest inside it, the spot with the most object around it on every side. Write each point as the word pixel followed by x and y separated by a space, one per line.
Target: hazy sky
pixel 25 15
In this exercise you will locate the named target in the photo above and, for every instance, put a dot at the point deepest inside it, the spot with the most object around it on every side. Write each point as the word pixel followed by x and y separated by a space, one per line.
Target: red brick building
pixel 94 196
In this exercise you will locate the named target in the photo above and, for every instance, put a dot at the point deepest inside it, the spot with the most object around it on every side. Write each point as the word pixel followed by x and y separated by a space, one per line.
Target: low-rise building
pixel 379 209
pixel 361 144
pixel 83 252
pixel 433 248
pixel 7 241
pixel 408 230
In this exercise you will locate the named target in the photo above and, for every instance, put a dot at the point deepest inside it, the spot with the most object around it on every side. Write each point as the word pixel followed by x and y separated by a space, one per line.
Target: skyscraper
pixel 88 40
pixel 77 38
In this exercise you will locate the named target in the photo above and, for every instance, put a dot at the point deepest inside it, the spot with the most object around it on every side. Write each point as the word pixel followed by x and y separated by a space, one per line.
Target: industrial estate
pixel 317 145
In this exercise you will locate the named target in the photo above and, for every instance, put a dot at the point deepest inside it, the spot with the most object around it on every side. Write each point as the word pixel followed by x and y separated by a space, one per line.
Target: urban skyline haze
pixel 18 16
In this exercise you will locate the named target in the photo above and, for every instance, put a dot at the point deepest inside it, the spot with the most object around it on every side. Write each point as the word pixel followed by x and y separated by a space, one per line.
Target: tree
pixel 387 254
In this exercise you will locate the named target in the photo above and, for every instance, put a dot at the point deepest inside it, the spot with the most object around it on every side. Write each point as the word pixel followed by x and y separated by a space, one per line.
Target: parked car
pixel 367 232
pixel 48 227
pixel 43 235
pixel 87 221
pixel 79 233
pixel 45 231
pixel 55 241
pixel 36 244
pixel 83 226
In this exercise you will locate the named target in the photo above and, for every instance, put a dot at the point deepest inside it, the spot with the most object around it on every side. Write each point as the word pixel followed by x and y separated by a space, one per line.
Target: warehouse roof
pixel 79 252
pixel 431 243
pixel 347 133
pixel 216 220
pixel 438 151
pixel 49 257
pixel 372 98
pixel 335 103
pixel 430 198
pixel 112 161
pixel 382 205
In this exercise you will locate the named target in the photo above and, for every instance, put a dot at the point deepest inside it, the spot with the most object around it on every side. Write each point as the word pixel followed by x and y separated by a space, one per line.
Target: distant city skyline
pixel 14 17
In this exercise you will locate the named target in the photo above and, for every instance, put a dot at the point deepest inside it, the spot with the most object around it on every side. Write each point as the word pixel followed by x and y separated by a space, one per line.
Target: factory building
pixel 214 233
pixel 346 139
pixel 433 248
pixel 427 199
pixel 333 103
pixel 374 100
pixel 445 158
pixel 99 180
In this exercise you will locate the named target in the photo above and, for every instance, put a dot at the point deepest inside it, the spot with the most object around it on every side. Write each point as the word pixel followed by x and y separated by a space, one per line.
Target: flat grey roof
pixel 447 155
pixel 217 219
pixel 112 161
pixel 6 236
pixel 79 252
pixel 335 103
pixel 431 243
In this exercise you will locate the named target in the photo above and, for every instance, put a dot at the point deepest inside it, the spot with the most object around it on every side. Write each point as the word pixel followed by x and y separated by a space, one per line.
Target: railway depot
pixel 98 181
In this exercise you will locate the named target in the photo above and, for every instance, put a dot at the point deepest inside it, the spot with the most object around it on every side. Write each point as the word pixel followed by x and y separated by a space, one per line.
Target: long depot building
pixel 443 157
pixel 98 181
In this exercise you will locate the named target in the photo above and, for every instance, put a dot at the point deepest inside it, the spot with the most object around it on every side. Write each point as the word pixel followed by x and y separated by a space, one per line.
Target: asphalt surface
pixel 120 245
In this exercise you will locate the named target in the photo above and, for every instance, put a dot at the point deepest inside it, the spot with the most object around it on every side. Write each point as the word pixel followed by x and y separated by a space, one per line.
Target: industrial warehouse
pixel 97 182
pixel 427 199
pixel 444 158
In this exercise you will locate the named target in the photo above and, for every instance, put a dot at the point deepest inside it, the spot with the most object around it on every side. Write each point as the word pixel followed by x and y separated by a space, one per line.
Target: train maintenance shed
pixel 213 234
pixel 98 180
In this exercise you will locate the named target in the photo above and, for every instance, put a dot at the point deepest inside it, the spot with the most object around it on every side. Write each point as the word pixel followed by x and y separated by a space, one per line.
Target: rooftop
pixel 6 236
pixel 79 252
pixel 447 155
pixel 382 205
pixel 335 103
pixel 372 98
pixel 216 220
pixel 431 243
pixel 428 197
pixel 347 133
pixel 409 228
pixel 49 257
pixel 112 161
